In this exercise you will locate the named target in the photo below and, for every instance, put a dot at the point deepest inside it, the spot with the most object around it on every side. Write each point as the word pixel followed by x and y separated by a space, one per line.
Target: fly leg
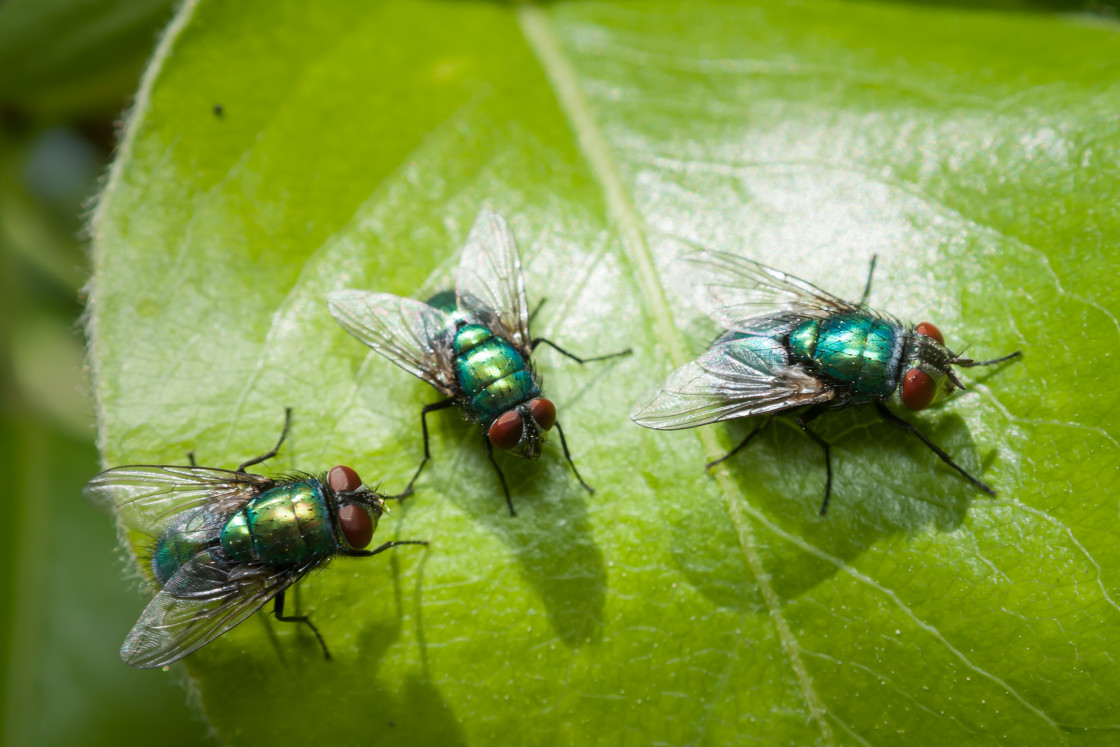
pixel 278 610
pixel 381 548
pixel 533 313
pixel 568 456
pixel 502 477
pixel 867 288
pixel 443 404
pixel 272 452
pixel 894 420
pixel 803 422
pixel 576 358
pixel 742 443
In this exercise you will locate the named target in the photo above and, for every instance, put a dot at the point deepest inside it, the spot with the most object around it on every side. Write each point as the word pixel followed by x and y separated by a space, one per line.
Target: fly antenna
pixel 956 382
pixel 966 363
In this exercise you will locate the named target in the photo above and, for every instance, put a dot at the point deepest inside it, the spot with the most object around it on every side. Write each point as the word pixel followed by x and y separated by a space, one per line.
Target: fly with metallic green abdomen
pixel 492 374
pixel 791 346
pixel 472 344
pixel 222 543
pixel 853 348
pixel 287 525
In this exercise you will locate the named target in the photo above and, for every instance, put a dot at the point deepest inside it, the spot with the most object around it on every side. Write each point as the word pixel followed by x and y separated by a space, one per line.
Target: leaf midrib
pixel 632 228
pixel 593 145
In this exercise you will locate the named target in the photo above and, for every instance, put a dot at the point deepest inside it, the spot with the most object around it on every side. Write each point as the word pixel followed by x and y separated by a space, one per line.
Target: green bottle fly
pixel 792 347
pixel 472 344
pixel 222 543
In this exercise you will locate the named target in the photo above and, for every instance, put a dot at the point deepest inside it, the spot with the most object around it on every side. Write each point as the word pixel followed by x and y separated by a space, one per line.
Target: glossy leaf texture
pixel 974 152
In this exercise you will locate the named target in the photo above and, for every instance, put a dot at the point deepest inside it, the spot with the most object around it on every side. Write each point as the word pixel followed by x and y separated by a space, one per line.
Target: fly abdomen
pixel 180 542
pixel 756 349
pixel 287 525
pixel 491 373
pixel 853 349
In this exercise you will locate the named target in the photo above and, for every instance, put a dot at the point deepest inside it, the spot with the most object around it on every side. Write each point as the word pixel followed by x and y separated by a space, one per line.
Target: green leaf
pixel 974 152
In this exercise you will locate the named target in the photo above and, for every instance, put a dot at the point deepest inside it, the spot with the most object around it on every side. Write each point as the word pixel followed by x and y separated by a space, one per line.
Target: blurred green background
pixel 67 70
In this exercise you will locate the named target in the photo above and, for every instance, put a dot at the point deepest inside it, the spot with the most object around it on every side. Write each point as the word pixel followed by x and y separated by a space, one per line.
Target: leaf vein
pixel 593 145
pixel 897 600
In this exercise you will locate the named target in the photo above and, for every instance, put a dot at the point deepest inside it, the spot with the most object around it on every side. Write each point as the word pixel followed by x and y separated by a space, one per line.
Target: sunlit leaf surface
pixel 974 152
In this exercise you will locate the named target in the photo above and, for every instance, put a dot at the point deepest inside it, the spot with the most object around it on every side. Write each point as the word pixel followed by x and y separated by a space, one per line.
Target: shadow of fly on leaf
pixel 790 347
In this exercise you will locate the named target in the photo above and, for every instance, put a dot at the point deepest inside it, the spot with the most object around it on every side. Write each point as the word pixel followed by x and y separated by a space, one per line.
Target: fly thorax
pixel 856 350
pixel 470 336
pixel 286 525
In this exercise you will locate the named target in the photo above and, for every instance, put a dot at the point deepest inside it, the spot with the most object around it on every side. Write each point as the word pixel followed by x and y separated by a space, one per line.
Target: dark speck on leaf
pixel 218 111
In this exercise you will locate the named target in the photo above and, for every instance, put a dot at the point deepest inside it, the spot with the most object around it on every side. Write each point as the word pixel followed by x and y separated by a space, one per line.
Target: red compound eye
pixel 342 479
pixel 931 331
pixel 544 412
pixel 356 525
pixel 505 432
pixel 918 389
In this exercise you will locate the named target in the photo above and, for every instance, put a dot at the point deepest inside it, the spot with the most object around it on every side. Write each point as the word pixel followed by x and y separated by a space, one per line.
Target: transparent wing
pixel 401 329
pixel 748 297
pixel 490 278
pixel 205 598
pixel 148 497
pixel 727 382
